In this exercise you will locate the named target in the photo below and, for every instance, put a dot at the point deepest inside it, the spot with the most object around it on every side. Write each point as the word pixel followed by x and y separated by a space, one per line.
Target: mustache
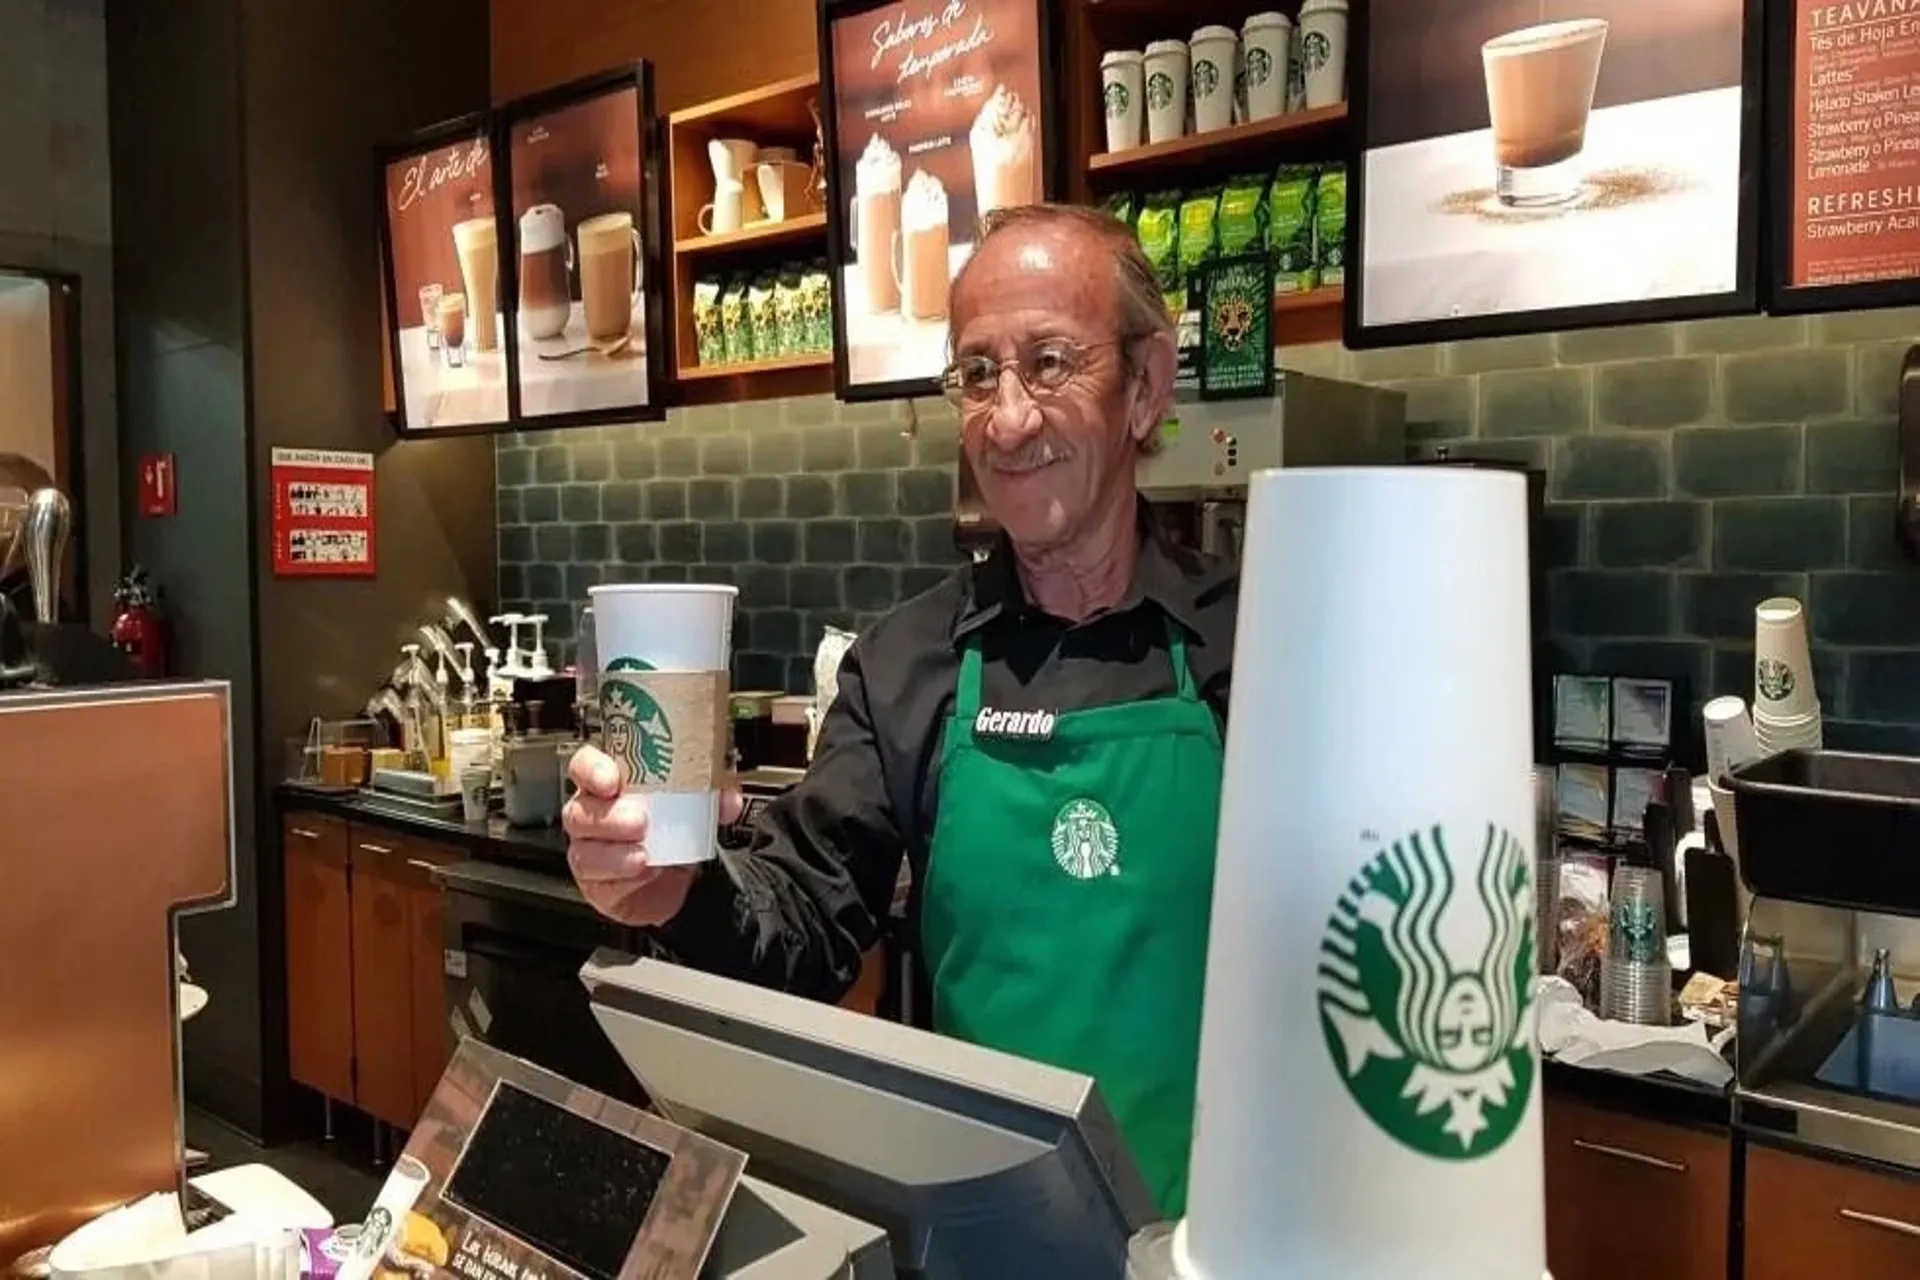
pixel 1029 457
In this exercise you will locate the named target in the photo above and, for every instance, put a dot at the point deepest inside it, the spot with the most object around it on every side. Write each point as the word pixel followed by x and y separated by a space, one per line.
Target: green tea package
pixel 1124 206
pixel 710 340
pixel 1199 232
pixel 1157 227
pixel 816 297
pixel 761 315
pixel 736 324
pixel 1330 225
pixel 1243 216
pixel 789 311
pixel 1290 229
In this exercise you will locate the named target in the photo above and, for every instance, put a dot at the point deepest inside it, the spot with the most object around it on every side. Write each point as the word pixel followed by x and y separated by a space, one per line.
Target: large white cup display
pixel 1368 1089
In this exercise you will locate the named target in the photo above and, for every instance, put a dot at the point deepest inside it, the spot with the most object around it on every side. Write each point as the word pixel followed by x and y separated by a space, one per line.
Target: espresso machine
pixel 1197 475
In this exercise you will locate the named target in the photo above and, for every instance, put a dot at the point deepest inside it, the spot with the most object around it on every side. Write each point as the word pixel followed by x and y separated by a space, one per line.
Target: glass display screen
pixel 569 1186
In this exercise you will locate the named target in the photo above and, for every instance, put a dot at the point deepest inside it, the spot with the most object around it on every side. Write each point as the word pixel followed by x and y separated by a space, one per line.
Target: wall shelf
pixel 748 368
pixel 1306 136
pixel 1302 319
pixel 806 233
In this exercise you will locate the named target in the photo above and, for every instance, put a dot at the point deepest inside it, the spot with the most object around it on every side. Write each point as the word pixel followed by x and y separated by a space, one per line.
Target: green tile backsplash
pixel 1693 469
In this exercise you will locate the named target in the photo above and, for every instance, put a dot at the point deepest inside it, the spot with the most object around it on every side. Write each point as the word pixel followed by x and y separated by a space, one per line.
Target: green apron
pixel 1065 912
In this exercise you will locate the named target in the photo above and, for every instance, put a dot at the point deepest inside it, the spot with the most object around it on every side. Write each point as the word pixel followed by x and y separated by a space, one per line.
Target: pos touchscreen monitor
pixel 976 1163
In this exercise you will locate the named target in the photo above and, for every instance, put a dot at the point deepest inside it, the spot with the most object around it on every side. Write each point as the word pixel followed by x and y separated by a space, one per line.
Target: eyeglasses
pixel 1045 370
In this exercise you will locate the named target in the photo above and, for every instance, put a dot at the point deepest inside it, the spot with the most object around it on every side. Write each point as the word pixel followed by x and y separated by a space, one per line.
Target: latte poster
pixel 1852 191
pixel 936 119
pixel 578 173
pixel 1535 163
pixel 442 245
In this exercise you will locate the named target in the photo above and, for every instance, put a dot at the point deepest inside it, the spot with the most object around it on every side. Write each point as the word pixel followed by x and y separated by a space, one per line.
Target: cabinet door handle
pixel 1632 1157
pixel 421 864
pixel 375 848
pixel 304 834
pixel 1885 1224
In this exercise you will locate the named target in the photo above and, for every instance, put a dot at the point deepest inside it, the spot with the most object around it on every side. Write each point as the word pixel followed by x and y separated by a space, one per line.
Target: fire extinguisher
pixel 137 629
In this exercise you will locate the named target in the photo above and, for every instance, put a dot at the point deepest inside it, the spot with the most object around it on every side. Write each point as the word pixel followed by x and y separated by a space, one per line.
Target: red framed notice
pixel 322 513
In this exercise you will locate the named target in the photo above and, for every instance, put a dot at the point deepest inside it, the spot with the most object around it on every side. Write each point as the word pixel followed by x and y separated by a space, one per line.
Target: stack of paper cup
pixel 664 651
pixel 1215 50
pixel 1369 1078
pixel 1123 97
pixel 1166 72
pixel 1268 42
pixel 1786 707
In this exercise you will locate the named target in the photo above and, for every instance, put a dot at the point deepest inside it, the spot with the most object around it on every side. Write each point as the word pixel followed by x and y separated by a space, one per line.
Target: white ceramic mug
pixel 1214 49
pixel 1268 43
pixel 730 158
pixel 1166 74
pixel 775 180
pixel 723 215
pixel 1123 97
pixel 1323 51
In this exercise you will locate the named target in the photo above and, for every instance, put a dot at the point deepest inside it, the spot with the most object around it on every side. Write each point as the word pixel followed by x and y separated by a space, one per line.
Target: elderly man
pixel 1040 736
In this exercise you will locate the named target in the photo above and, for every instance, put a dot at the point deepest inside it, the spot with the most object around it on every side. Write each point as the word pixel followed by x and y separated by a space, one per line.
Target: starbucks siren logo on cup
pixel 1425 985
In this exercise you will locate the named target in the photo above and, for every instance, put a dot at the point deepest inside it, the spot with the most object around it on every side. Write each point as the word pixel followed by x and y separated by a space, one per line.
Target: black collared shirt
pixel 800 906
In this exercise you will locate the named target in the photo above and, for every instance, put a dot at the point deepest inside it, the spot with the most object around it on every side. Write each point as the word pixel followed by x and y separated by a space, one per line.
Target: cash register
pixel 874 1149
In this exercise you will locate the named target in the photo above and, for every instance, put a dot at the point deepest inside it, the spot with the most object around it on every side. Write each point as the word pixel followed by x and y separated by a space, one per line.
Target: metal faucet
pixel 46 530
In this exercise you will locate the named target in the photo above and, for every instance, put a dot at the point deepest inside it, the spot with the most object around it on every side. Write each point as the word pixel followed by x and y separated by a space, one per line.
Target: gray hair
pixel 1143 310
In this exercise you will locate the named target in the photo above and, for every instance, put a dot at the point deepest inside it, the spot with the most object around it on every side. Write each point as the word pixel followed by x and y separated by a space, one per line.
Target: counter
pixel 493 839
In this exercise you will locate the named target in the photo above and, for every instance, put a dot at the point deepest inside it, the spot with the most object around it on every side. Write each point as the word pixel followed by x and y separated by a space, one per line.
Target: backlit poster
pixel 937 116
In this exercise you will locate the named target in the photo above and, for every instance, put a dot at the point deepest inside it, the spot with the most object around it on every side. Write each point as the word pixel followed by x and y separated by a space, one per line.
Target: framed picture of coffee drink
pixel 1843 95
pixel 440 242
pixel 1536 165
pixel 937 112
pixel 584 211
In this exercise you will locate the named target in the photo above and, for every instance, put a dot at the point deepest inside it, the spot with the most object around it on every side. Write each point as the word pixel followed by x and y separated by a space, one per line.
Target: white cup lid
pixel 1119 57
pixel 1159 47
pixel 1322 6
pixel 1214 33
pixel 1264 21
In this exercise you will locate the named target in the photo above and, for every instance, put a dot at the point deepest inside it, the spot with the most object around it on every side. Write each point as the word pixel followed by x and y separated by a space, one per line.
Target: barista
pixel 1039 736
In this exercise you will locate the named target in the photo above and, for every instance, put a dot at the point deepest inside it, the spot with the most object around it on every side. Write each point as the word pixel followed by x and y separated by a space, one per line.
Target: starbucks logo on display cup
pixel 1259 66
pixel 1206 78
pixel 1117 98
pixel 635 727
pixel 1086 844
pixel 1425 992
pixel 1315 49
pixel 1774 679
pixel 1159 91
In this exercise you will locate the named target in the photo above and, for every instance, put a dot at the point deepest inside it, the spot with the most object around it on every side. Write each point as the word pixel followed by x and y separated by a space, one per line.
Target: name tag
pixel 1019 726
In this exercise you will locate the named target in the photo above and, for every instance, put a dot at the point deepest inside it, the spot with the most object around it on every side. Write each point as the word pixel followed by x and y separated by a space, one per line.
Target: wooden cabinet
pixel 366 1006
pixel 319 954
pixel 1808 1217
pixel 1633 1197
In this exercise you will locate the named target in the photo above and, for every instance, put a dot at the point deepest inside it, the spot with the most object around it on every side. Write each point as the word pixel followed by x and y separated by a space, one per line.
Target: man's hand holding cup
pixel 607 845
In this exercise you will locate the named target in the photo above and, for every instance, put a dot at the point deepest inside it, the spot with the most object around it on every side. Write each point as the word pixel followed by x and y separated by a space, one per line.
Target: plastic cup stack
pixel 1786 706
pixel 1636 984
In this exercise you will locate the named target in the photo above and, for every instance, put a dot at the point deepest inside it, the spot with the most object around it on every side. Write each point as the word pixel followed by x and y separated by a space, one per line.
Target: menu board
pixel 936 117
pixel 1539 164
pixel 1850 229
pixel 442 247
pixel 579 177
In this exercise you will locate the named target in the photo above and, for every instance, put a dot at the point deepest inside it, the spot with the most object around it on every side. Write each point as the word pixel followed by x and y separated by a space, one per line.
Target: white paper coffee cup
pixel 386 1221
pixel 1267 42
pixel 664 651
pixel 1730 737
pixel 1371 944
pixel 1214 51
pixel 1166 72
pixel 1782 666
pixel 1123 97
pixel 1323 51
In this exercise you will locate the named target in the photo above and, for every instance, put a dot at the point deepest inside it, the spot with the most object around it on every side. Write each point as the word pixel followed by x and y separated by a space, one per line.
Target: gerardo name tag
pixel 1014 726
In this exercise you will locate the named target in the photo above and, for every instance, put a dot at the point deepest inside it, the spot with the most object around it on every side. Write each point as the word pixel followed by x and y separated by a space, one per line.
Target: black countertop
pixel 540 847
pixel 1658 1097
